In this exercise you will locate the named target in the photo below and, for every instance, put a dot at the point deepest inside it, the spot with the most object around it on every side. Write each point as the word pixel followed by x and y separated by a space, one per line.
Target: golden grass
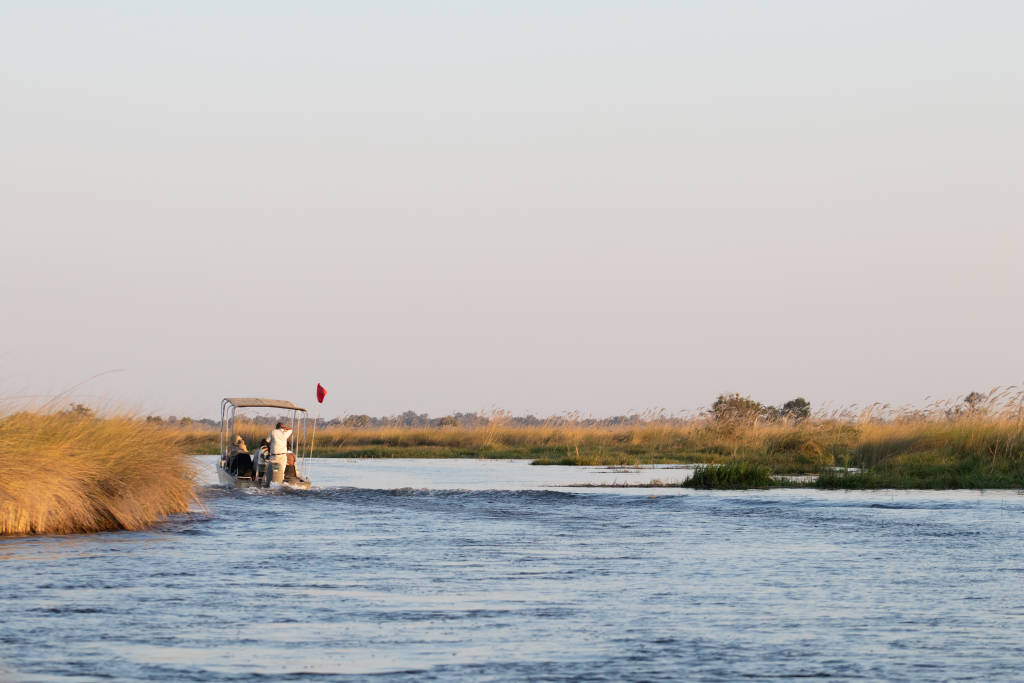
pixel 987 436
pixel 811 443
pixel 974 443
pixel 817 442
pixel 65 473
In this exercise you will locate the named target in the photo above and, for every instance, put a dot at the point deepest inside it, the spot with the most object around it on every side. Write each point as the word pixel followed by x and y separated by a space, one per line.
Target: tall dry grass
pixel 69 473
pixel 974 441
pixel 987 434
pixel 810 444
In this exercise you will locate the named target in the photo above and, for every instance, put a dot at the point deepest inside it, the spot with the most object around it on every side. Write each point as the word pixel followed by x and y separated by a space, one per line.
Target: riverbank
pixel 933 450
pixel 68 473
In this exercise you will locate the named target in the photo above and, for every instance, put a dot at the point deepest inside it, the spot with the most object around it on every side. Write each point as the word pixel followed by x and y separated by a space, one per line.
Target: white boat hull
pixel 227 479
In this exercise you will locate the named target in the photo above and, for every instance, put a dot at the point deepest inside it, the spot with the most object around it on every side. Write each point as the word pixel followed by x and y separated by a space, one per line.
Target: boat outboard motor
pixel 275 471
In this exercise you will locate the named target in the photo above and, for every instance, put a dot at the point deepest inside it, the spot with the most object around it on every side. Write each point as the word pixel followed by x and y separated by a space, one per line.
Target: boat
pixel 238 468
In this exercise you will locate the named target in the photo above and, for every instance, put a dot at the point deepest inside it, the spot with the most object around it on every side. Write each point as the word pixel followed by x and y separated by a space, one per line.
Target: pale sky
pixel 532 206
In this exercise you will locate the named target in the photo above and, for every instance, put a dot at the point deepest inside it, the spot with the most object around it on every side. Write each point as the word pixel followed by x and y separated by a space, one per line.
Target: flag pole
pixel 312 438
pixel 321 393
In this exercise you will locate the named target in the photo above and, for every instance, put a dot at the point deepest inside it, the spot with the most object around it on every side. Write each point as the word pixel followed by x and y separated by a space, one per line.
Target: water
pixel 456 569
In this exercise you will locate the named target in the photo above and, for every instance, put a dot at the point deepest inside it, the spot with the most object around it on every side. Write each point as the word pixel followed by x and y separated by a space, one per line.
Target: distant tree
pixel 185 422
pixel 447 421
pixel 798 409
pixel 356 421
pixel 974 401
pixel 79 410
pixel 770 413
pixel 411 418
pixel 619 420
pixel 526 421
pixel 155 419
pixel 473 420
pixel 735 408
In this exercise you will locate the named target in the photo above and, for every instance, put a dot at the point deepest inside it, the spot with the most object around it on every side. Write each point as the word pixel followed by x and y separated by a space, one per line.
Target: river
pixel 490 570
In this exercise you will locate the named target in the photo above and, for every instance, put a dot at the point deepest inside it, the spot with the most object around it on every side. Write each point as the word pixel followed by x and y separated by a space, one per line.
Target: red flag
pixel 320 393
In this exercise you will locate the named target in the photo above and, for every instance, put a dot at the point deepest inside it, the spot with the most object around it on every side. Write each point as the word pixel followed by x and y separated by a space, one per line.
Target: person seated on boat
pixel 278 449
pixel 260 456
pixel 290 473
pixel 237 446
pixel 242 465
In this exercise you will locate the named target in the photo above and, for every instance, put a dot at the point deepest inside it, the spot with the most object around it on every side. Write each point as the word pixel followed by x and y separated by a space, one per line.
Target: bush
pixel 735 408
pixel 736 475
pixel 798 409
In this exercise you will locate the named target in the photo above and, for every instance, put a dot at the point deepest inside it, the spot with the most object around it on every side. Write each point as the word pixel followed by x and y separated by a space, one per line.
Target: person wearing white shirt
pixel 278 452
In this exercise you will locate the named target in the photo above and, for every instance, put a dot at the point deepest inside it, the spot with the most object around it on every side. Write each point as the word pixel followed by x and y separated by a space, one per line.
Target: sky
pixel 537 207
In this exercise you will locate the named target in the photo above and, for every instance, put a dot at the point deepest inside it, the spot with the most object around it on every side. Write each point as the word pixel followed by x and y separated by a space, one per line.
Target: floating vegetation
pixel 733 475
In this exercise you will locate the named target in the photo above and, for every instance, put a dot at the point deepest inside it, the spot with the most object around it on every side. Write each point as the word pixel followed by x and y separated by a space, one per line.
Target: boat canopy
pixel 262 403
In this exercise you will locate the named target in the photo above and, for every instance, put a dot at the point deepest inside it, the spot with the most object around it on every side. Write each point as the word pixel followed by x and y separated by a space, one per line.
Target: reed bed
pixel 67 472
pixel 975 441
pixel 806 446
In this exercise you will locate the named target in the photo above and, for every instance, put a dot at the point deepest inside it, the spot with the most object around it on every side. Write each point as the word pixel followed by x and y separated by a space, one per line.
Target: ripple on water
pixel 454 579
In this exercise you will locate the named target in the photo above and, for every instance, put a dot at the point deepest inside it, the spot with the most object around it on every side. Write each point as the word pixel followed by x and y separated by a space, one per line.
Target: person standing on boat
pixel 278 449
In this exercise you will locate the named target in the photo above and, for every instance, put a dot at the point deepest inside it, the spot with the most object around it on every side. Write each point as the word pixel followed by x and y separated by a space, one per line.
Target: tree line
pixel 727 408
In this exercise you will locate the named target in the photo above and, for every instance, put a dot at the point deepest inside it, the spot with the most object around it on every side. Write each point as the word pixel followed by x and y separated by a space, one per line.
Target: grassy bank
pixel 965 451
pixel 947 446
pixel 69 473
pixel 787 448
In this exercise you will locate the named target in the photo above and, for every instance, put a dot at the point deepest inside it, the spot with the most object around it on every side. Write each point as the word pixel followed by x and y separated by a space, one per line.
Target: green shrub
pixel 734 475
